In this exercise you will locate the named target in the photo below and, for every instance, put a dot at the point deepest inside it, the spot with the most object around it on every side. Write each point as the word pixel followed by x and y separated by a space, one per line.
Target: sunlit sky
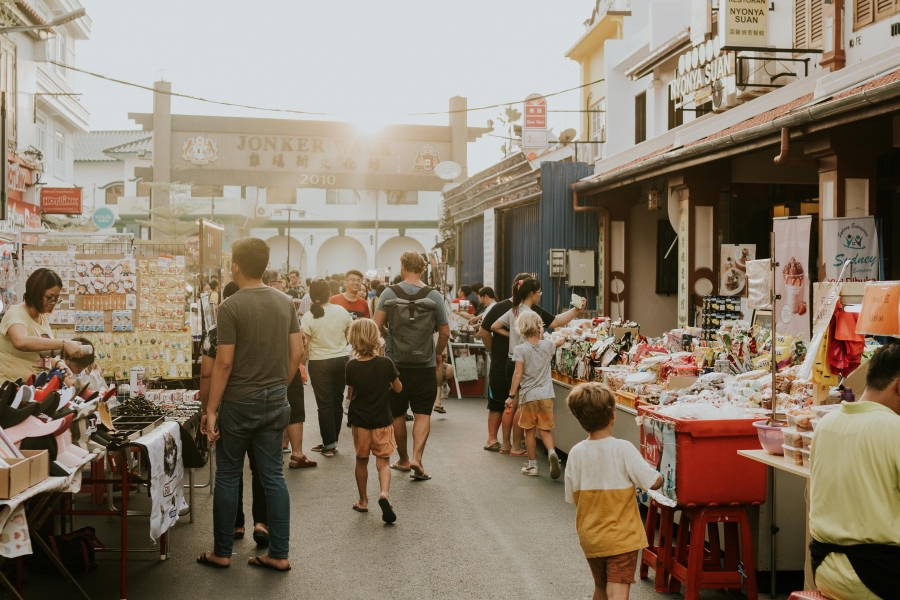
pixel 371 62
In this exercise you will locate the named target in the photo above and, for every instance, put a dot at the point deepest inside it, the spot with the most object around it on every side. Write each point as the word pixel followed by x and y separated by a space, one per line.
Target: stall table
pixel 773 461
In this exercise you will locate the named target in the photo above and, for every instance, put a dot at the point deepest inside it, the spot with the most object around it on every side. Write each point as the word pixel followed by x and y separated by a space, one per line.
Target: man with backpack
pixel 410 313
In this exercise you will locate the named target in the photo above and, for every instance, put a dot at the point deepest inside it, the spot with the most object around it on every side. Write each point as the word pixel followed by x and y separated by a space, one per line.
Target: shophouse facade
pixel 44 113
pixel 326 197
pixel 696 121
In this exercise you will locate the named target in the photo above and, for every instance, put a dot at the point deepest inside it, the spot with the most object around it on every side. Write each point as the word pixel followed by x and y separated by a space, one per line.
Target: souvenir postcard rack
pixel 131 308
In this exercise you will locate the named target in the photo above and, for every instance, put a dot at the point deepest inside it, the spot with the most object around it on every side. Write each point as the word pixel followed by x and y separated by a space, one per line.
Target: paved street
pixel 478 529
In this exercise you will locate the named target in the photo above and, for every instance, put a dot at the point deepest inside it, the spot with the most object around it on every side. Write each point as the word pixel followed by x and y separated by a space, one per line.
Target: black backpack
pixel 411 322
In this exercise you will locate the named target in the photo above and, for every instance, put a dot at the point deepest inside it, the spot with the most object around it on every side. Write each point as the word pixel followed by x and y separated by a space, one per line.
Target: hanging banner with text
pixel 854 239
pixel 792 275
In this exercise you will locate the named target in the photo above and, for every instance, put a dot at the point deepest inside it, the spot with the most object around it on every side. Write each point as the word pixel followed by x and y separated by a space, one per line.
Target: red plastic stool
pixel 698 568
pixel 658 554
pixel 807 596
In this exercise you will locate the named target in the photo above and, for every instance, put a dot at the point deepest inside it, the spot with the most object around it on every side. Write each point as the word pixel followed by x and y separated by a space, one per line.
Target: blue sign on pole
pixel 103 217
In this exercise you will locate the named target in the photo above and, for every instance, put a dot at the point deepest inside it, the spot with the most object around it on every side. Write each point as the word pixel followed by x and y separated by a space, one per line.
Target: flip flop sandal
pixel 519 454
pixel 396 468
pixel 422 477
pixel 495 447
pixel 257 561
pixel 387 511
pixel 302 463
pixel 329 453
pixel 203 559
pixel 261 538
pixel 360 510
pixel 440 409
pixel 503 451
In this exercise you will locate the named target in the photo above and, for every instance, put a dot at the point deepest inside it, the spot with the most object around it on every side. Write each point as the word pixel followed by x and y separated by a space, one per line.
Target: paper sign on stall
pixel 854 239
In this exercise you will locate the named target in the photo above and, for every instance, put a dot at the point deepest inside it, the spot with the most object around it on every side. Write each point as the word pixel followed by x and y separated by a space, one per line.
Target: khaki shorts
pixel 618 568
pixel 537 413
pixel 379 442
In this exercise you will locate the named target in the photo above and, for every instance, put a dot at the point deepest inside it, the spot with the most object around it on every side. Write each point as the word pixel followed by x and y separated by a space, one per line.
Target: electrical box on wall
pixel 557 262
pixel 582 268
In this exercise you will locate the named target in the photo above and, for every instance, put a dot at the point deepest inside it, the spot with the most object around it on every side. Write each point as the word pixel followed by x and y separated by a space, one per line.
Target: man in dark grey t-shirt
pixel 259 340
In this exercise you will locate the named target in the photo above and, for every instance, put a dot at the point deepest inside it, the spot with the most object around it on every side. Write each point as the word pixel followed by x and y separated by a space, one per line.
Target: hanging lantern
pixel 653 199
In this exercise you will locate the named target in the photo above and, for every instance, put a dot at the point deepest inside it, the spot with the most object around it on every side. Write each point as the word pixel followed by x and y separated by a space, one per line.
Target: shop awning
pixel 511 181
pixel 812 110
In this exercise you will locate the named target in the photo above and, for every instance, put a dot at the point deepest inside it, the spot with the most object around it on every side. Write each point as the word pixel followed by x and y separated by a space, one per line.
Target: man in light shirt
pixel 854 511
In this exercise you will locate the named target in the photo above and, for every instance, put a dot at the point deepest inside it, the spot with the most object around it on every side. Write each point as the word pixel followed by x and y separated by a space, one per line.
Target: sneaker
pixel 286 449
pixel 554 466
pixel 526 470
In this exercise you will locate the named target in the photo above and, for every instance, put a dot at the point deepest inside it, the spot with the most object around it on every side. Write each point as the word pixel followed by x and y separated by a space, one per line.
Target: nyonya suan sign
pixel 61 201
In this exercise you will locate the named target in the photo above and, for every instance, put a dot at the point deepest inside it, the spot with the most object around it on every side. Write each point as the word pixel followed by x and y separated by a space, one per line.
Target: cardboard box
pixel 16 478
pixel 619 332
pixel 679 382
pixel 40 465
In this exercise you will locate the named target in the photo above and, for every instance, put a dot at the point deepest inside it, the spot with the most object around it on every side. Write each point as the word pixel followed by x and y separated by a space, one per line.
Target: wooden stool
pixel 698 568
pixel 658 554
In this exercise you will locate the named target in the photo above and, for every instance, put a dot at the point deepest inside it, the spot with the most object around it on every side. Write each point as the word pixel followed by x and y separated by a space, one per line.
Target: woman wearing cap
pixel 25 334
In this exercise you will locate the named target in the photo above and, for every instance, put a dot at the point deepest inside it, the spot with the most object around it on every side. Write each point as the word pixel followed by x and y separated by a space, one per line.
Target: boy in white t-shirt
pixel 601 475
pixel 532 381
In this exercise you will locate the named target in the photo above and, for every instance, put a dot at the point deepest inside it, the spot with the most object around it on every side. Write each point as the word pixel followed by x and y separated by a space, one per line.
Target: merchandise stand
pixel 469 347
pixel 18 289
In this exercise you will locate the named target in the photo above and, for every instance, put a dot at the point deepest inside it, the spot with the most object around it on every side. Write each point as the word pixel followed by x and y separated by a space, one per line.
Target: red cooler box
pixel 708 470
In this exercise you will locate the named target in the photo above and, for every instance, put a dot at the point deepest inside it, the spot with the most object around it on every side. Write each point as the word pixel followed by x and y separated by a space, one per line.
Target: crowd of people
pixel 382 350
pixel 377 352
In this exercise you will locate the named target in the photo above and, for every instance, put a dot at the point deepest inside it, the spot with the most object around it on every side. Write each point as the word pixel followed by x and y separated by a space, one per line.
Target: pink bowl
pixel 771 438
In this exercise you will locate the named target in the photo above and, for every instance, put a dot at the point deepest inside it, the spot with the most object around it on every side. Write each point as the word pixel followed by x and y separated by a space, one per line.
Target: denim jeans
pixel 328 381
pixel 258 508
pixel 258 421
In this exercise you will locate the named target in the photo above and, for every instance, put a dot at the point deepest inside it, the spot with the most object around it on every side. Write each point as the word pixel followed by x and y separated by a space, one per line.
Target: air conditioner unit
pixel 754 73
pixel 263 212
pixel 724 95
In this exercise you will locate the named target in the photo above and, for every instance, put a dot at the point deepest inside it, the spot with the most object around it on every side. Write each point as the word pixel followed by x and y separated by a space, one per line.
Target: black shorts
pixel 499 389
pixel 295 399
pixel 419 391
pixel 510 372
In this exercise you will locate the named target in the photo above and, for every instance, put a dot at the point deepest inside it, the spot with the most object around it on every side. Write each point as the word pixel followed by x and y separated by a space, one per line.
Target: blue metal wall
pixel 562 227
pixel 471 251
pixel 520 239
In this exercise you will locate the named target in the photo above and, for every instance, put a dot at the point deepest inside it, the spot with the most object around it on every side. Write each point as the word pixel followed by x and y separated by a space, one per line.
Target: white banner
pixel 489 252
pixel 733 268
pixel 792 275
pixel 854 239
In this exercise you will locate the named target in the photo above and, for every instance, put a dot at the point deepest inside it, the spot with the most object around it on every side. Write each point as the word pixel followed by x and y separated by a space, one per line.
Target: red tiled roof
pixel 32 14
pixel 761 118
pixel 767 117
pixel 639 160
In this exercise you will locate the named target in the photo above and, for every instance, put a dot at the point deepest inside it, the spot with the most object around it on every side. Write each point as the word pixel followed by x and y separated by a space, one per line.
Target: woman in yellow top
pixel 25 333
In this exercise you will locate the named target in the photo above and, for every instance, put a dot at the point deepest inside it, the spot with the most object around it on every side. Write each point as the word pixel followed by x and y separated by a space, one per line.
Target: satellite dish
pixel 447 170
pixel 567 136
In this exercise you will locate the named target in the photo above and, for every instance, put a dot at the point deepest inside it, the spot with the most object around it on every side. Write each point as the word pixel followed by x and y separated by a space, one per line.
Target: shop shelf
pixel 708 470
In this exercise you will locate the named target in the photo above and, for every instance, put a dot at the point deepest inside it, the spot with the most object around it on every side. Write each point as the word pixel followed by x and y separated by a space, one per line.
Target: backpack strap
pixel 401 293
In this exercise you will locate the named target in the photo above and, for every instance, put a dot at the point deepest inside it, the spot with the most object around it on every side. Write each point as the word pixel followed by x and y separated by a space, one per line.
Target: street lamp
pixel 301 214
pixel 60 20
